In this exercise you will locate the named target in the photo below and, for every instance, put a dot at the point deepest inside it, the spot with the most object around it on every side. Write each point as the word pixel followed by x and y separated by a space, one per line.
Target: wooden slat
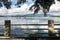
pixel 31 24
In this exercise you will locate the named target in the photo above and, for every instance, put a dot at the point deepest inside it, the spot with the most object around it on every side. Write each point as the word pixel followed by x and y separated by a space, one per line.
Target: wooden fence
pixel 50 29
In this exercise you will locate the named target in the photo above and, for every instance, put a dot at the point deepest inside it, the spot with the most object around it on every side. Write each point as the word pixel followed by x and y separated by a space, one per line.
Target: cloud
pixel 55 7
pixel 24 9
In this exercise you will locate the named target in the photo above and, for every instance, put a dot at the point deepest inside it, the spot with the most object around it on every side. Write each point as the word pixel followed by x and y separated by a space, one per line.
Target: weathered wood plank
pixel 7 28
pixel 51 28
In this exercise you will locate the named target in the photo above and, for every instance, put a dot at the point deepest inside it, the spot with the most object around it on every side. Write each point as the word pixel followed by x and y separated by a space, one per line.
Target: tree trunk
pixel 45 11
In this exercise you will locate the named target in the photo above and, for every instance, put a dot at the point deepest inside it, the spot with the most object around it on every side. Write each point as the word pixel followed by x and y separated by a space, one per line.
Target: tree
pixel 44 3
pixel 0 0
pixel 0 4
pixel 20 1
pixel 58 0
pixel 6 3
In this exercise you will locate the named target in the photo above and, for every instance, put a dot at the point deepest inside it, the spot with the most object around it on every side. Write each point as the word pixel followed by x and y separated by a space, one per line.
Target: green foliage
pixel 44 3
pixel 0 5
pixel 21 1
pixel 58 0
pixel 6 3
pixel 0 0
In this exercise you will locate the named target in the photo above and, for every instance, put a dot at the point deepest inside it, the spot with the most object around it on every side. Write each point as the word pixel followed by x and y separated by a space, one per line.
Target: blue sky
pixel 13 1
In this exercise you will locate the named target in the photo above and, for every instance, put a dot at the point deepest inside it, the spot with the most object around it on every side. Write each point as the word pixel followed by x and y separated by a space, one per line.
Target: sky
pixel 25 7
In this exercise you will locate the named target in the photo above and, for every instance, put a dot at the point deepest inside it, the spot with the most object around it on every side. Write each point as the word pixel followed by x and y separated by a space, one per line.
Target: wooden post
pixel 59 33
pixel 51 28
pixel 7 28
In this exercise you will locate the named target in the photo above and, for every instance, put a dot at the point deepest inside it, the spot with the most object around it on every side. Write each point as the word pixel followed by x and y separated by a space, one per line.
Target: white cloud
pixel 24 9
pixel 55 7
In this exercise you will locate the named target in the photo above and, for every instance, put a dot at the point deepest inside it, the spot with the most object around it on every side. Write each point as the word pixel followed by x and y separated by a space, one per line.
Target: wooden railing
pixel 50 29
